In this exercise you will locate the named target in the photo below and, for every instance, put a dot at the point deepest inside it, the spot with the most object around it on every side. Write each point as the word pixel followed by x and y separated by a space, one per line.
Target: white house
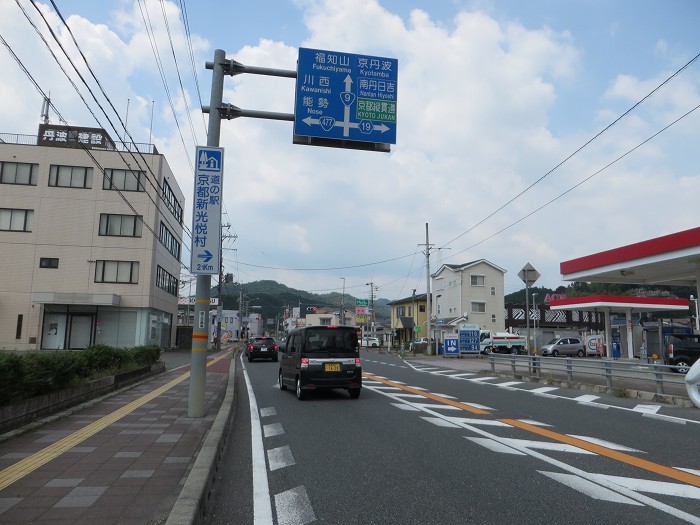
pixel 470 293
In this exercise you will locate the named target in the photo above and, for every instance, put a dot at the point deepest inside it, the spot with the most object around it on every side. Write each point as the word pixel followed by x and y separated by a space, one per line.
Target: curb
pixel 190 506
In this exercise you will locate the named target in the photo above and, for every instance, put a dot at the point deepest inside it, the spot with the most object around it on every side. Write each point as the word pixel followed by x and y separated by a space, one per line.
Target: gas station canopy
pixel 669 260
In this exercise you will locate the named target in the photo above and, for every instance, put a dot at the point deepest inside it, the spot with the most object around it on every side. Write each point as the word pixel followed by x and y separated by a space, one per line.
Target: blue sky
pixel 492 95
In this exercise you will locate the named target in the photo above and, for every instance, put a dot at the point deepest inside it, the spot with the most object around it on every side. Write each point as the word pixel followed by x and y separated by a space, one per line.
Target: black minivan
pixel 321 357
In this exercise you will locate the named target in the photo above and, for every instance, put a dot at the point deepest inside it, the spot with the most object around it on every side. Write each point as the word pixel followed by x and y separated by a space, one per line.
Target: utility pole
pixel 427 287
pixel 342 305
pixel 220 307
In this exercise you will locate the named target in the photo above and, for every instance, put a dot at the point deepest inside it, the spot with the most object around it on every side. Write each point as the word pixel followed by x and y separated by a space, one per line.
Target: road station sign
pixel 346 97
pixel 206 212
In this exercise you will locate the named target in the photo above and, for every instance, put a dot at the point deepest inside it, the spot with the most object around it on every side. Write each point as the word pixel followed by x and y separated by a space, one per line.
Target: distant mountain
pixel 272 297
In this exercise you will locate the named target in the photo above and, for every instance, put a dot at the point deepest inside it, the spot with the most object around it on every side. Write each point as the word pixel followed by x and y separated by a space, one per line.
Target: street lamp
pixel 697 314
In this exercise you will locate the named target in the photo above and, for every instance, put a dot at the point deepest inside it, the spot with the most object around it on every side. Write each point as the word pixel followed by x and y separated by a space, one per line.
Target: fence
pixel 613 373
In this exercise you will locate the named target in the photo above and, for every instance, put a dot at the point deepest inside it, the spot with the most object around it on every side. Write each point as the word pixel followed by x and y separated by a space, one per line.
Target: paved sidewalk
pixel 122 460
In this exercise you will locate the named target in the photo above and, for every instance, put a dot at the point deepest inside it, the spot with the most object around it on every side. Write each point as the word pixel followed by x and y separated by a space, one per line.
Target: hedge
pixel 29 374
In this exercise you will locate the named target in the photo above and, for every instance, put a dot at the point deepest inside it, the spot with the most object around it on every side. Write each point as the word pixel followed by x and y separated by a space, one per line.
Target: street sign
pixel 451 345
pixel 529 275
pixel 361 302
pixel 347 97
pixel 206 212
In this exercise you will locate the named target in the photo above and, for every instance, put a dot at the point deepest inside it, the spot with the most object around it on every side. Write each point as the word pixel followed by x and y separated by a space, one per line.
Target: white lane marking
pixel 550 446
pixel 465 374
pixel 536 423
pixel 262 505
pixel 689 470
pixel 475 421
pixel 606 444
pixel 294 507
pixel 543 389
pixel 481 379
pixel 446 396
pixel 267 412
pixel 586 398
pixel 653 487
pixel 647 409
pixel 274 429
pixel 589 488
pixel 495 446
pixel 440 422
pixel 404 406
pixel 280 457
pixel 670 419
pixel 388 388
pixel 427 369
pixel 431 405
pixel 508 384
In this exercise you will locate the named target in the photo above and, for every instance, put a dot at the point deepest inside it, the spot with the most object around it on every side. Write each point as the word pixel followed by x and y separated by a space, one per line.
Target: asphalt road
pixel 429 445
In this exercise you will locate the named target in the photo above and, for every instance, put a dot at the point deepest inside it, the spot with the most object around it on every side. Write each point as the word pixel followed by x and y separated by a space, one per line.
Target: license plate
pixel 263 349
pixel 331 367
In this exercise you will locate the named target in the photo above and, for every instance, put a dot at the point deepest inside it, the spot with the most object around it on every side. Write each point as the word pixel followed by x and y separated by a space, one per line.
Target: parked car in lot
pixel 261 347
pixel 370 342
pixel 563 346
pixel 321 357
pixel 418 344
pixel 682 350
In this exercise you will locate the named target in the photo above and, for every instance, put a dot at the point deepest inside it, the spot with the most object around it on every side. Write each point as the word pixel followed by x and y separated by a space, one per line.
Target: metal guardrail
pixel 614 372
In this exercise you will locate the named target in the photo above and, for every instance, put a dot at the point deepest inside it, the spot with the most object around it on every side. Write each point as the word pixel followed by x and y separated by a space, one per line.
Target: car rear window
pixel 330 340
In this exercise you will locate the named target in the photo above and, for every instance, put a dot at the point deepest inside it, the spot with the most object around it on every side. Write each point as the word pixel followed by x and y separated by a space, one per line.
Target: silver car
pixel 563 346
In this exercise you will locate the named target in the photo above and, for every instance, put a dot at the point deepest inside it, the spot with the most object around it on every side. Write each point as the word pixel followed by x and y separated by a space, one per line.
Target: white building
pixel 470 293
pixel 90 241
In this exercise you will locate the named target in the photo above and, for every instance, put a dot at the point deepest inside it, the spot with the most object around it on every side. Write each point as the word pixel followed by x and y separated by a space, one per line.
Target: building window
pixel 168 240
pixel 478 307
pixel 117 272
pixel 477 280
pixel 325 321
pixel 166 282
pixel 438 309
pixel 70 176
pixel 121 225
pixel 421 308
pixel 15 220
pixel 18 173
pixel 123 180
pixel 171 202
pixel 493 318
pixel 401 311
pixel 410 311
pixel 493 290
pixel 48 262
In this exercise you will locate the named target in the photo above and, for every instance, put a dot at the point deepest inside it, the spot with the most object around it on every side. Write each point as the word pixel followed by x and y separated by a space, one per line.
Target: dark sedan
pixel 262 347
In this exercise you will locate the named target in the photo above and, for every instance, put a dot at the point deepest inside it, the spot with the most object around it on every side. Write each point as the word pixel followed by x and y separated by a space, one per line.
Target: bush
pixel 24 375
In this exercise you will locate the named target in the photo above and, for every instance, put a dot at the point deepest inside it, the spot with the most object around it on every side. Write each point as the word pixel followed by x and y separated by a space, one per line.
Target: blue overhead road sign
pixel 345 96
pixel 206 213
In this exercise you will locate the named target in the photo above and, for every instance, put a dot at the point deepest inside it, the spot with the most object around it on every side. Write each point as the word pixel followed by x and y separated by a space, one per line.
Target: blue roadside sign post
pixel 346 97
pixel 451 346
pixel 469 339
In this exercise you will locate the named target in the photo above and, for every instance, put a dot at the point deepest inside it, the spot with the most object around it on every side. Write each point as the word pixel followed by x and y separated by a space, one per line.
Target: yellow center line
pixel 429 395
pixel 650 466
pixel 29 464
pixel 678 475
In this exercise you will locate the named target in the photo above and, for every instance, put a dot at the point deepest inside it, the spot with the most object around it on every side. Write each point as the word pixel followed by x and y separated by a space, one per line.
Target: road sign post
pixel 528 275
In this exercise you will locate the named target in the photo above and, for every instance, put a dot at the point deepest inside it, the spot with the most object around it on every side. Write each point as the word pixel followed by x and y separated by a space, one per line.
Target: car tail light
pixel 305 362
pixel 276 348
pixel 250 347
pixel 670 350
pixel 357 362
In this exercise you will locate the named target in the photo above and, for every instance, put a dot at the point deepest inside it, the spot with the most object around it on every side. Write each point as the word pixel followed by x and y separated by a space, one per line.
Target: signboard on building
pixel 56 135
pixel 346 97
pixel 361 302
pixel 206 213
